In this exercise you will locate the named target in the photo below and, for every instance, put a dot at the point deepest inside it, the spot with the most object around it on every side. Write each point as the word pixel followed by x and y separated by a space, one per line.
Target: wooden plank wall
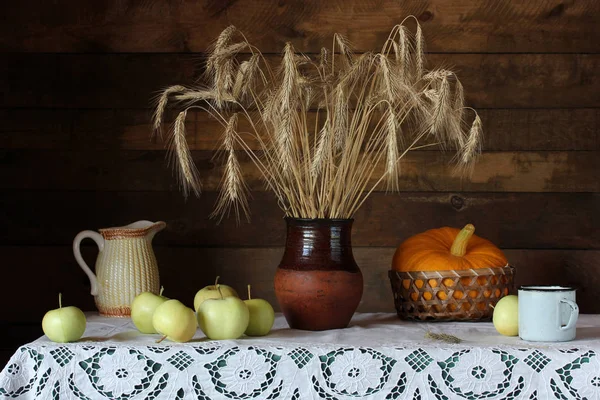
pixel 76 83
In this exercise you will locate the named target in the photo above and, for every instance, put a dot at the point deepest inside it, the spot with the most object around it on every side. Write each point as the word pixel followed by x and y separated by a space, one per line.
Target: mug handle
pixel 77 252
pixel 574 314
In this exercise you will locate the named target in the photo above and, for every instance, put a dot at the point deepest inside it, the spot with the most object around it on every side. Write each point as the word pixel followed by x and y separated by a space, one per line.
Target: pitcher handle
pixel 77 252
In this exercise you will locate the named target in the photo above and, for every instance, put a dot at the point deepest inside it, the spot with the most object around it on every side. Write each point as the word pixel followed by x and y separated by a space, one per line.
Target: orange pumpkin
pixel 447 249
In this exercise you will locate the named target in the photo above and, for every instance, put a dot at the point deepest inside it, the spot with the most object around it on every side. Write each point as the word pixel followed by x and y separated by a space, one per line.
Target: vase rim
pixel 319 219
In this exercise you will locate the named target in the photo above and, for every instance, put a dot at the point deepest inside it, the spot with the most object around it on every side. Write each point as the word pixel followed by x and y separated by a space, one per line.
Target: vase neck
pixel 320 244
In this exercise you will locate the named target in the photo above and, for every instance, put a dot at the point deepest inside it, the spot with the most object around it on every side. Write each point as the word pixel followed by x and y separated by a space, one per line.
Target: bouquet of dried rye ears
pixel 324 131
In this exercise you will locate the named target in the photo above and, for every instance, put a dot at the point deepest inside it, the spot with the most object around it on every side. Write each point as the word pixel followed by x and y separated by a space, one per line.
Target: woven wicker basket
pixel 450 295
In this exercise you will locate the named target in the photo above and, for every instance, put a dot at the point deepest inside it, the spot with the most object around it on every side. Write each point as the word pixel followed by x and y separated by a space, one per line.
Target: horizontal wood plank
pixel 158 26
pixel 511 220
pixel 113 129
pixel 132 170
pixel 183 271
pixel 134 80
pixel 37 128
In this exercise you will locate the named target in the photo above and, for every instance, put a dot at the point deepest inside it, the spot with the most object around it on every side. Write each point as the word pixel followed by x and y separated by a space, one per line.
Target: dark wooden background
pixel 76 83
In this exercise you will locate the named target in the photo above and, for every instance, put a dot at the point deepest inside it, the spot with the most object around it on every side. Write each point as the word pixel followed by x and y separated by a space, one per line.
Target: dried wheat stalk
pixel 371 110
pixel 444 337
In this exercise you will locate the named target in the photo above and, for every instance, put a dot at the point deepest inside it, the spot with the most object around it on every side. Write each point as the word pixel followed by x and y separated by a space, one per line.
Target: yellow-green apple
pixel 210 292
pixel 174 321
pixel 506 316
pixel 262 316
pixel 142 309
pixel 64 324
pixel 223 318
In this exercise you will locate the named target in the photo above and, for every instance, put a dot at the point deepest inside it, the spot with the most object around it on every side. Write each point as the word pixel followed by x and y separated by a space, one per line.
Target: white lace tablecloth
pixel 377 357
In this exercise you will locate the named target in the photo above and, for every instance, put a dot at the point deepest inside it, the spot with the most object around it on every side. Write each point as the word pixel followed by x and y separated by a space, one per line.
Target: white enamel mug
pixel 547 313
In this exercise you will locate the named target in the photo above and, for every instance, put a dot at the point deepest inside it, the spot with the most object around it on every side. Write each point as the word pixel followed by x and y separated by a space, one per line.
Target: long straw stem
pixel 367 109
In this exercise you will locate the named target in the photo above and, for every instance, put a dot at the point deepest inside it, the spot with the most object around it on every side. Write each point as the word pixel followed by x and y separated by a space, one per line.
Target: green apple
pixel 506 316
pixel 262 316
pixel 223 318
pixel 210 292
pixel 142 309
pixel 174 321
pixel 64 324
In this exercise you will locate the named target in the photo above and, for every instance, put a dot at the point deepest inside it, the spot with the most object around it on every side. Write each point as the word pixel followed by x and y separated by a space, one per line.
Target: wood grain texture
pixel 186 270
pixel 182 26
pixel 134 80
pixel 130 129
pixel 36 128
pixel 511 220
pixel 133 170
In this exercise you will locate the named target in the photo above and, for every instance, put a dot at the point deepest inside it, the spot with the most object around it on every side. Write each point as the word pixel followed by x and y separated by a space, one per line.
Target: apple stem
pixel 60 300
pixel 219 289
pixel 161 339
pixel 249 296
pixel 217 281
pixel 161 290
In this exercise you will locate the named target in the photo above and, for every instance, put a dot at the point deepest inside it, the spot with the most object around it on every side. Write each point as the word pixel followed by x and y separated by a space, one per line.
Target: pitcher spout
pixel 141 228
pixel 155 228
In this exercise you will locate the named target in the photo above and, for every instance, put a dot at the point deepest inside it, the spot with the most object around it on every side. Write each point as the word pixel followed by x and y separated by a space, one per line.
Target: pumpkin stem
pixel 459 246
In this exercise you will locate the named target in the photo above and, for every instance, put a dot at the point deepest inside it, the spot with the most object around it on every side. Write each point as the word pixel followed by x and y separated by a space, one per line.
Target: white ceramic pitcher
pixel 126 265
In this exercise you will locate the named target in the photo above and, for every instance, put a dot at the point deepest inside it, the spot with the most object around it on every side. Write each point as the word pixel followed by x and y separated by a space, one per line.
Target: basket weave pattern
pixel 450 295
pixel 125 268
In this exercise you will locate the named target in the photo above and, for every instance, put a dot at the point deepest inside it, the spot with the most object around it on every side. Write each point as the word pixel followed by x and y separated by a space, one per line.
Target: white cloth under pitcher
pixel 125 267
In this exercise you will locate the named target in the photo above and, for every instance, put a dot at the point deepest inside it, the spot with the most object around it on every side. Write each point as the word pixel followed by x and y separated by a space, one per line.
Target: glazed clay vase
pixel 125 267
pixel 318 284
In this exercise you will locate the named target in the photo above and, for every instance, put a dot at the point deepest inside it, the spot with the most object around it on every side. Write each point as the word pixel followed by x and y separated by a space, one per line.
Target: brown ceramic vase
pixel 318 284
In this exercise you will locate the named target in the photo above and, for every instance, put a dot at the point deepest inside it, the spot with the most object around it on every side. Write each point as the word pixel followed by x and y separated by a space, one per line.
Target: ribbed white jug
pixel 126 265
